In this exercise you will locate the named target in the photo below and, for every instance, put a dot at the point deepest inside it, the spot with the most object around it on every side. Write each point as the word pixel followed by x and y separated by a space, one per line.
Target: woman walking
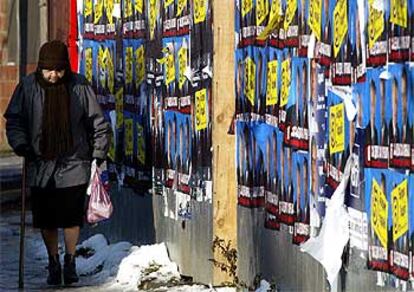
pixel 55 122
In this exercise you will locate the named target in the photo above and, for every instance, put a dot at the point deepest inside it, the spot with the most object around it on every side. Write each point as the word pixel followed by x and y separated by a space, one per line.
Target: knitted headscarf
pixel 56 138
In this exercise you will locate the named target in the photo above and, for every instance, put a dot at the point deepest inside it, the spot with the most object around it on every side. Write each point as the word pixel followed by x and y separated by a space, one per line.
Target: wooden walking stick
pixel 22 226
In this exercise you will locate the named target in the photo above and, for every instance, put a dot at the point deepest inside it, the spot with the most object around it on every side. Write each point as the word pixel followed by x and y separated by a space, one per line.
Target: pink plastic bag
pixel 100 206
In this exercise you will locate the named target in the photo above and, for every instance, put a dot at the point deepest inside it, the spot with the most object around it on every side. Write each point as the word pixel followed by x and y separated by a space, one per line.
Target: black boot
pixel 69 270
pixel 55 271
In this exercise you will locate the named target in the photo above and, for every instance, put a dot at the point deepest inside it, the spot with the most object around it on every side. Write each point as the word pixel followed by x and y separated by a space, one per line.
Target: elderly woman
pixel 55 122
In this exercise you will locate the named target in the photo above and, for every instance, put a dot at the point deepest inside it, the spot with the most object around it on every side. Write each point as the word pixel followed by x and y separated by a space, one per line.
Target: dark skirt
pixel 58 207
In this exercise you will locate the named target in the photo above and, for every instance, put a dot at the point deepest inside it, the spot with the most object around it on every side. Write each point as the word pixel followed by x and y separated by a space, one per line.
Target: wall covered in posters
pixel 150 63
pixel 318 82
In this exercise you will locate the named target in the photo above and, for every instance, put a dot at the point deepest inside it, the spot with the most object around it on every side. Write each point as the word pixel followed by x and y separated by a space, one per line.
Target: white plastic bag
pixel 100 206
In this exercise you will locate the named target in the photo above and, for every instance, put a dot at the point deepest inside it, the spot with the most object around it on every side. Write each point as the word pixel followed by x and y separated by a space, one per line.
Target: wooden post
pixel 224 174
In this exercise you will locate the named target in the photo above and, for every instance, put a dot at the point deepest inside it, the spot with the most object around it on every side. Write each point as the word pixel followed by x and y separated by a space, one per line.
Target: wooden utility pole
pixel 224 174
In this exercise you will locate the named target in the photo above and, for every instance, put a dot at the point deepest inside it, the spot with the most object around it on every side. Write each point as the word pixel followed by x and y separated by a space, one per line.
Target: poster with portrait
pixel 245 23
pixel 272 86
pixel 170 149
pixel 183 14
pixel 169 21
pixel 244 164
pixel 377 202
pixel 154 44
pixel 86 23
pixel 398 230
pixel 271 178
pixel 400 125
pixel 99 20
pixel 399 32
pixel 129 8
pixel 355 198
pixel 377 131
pixel 376 33
pixel 260 60
pixel 343 18
pixel 184 154
pixel 297 120
pixel 323 50
pixel 338 149
pixel 301 230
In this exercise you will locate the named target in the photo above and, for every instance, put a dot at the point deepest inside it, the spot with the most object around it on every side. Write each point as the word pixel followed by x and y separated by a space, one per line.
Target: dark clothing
pixel 58 207
pixel 90 133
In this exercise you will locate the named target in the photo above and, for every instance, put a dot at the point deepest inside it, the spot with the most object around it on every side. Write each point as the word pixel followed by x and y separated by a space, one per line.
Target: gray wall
pixel 272 255
pixel 132 219
pixel 189 242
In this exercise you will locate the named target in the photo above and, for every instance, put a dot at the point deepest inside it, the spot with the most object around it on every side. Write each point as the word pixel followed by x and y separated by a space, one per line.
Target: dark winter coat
pixel 89 130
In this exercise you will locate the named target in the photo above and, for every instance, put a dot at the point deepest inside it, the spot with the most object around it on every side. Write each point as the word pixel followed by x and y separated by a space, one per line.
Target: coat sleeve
pixel 16 122
pixel 99 129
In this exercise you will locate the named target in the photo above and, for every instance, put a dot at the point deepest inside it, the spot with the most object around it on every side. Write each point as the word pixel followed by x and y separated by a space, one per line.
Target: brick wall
pixel 8 74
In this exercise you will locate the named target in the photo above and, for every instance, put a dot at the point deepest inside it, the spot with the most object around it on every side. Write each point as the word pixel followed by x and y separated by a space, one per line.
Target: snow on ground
pixel 102 266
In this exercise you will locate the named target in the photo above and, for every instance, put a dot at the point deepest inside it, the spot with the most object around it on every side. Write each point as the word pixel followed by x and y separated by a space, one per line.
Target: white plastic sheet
pixel 328 246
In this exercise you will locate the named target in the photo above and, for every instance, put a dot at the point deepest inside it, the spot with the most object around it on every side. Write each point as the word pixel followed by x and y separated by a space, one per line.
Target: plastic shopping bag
pixel 100 206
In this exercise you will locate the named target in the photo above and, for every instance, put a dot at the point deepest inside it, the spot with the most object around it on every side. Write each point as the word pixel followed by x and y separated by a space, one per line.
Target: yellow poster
pixel 139 6
pixel 399 200
pixel 111 71
pixel 262 10
pixel 285 88
pixel 399 12
pixel 375 24
pixel 340 24
pixel 119 107
pixel 274 19
pixel 315 17
pixel 129 137
pixel 271 90
pixel 139 65
pixel 379 213
pixel 102 65
pixel 98 11
pixel 292 6
pixel 182 66
pixel 141 144
pixel 250 80
pixel 168 3
pixel 246 7
pixel 181 4
pixel 336 128
pixel 88 64
pixel 200 10
pixel 109 9
pixel 128 12
pixel 201 109
pixel 152 18
pixel 87 11
pixel 169 68
pixel 128 65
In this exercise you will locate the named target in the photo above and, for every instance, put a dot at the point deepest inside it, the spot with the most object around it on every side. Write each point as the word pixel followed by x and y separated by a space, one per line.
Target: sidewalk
pixel 10 177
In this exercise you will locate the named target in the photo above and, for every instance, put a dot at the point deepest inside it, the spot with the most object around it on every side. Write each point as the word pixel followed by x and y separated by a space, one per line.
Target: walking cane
pixel 22 227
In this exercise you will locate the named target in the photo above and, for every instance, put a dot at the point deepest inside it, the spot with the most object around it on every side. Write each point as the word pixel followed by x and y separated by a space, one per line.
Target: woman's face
pixel 52 76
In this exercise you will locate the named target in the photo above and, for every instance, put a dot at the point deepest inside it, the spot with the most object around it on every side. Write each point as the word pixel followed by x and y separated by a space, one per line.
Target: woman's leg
pixel 71 235
pixel 50 238
pixel 69 268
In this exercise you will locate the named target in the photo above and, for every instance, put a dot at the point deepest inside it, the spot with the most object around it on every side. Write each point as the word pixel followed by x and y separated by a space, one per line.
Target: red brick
pixel 3 6
pixel 7 88
pixel 3 106
pixel 8 73
pixel 3 21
